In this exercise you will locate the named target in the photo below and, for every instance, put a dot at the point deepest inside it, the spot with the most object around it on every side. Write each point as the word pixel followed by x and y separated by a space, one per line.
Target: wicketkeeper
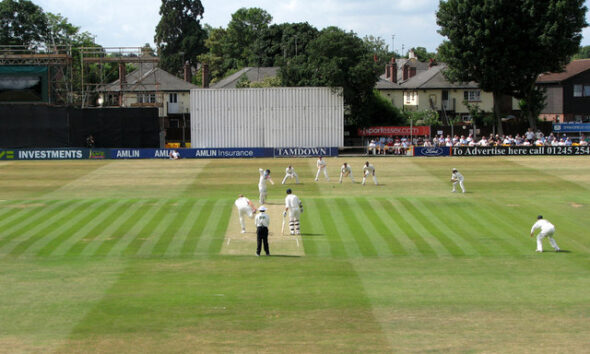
pixel 293 208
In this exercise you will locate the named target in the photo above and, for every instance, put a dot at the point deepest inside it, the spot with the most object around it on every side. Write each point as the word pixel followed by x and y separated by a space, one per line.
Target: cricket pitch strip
pixel 237 243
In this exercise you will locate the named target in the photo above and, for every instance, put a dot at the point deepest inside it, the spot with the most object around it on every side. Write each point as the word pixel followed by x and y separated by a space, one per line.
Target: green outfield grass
pixel 137 256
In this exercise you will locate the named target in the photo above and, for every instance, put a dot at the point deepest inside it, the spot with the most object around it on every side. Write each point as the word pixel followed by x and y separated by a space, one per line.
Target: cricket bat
pixel 283 227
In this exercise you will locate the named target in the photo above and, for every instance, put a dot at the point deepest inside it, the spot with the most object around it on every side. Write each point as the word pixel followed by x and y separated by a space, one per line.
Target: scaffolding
pixel 57 59
pixel 121 56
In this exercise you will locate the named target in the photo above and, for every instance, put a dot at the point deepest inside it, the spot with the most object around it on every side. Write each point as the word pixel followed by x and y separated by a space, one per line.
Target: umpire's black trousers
pixel 262 237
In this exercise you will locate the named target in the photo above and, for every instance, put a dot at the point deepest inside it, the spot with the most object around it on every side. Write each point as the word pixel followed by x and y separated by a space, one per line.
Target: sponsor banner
pixel 212 153
pixel 432 151
pixel 386 131
pixel 520 150
pixel 305 152
pixel 44 154
pixel 571 127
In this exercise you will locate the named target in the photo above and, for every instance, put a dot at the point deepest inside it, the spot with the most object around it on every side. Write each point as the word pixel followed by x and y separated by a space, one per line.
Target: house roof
pixel 148 77
pixel 572 69
pixel 253 74
pixel 432 78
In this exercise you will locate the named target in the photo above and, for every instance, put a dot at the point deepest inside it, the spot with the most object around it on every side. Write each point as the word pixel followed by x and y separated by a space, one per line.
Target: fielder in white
pixel 369 169
pixel 264 175
pixel 245 208
pixel 547 230
pixel 294 208
pixel 290 173
pixel 457 177
pixel 345 170
pixel 322 166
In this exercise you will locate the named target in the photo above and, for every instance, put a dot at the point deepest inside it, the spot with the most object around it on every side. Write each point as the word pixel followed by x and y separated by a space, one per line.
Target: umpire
pixel 262 220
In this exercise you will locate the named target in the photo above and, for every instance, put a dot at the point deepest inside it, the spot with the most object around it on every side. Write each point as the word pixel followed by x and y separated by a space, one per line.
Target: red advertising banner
pixel 386 131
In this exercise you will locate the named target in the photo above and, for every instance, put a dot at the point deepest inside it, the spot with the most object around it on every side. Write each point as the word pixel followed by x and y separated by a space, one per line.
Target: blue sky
pixel 131 23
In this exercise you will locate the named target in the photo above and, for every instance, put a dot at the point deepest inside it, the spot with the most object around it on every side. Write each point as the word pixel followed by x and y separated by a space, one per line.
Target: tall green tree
pixel 245 27
pixel 22 23
pixel 337 59
pixel 179 34
pixel 505 45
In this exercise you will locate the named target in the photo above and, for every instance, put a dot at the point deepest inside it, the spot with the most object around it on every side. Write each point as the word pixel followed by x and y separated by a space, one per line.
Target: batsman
pixel 293 208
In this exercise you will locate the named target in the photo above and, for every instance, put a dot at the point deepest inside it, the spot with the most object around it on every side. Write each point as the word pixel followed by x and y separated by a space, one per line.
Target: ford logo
pixel 432 151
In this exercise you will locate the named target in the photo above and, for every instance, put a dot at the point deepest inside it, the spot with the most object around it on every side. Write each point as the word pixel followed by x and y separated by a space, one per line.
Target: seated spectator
pixel 372 147
pixel 174 155
pixel 530 135
pixel 427 143
pixel 484 142
pixel 568 141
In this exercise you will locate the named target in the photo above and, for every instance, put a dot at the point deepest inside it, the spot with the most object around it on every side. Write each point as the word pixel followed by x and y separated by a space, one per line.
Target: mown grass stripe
pixel 220 230
pixel 326 219
pixel 149 209
pixel 384 210
pixel 157 232
pixel 362 239
pixel 190 243
pixel 203 245
pixel 160 209
pixel 34 222
pixel 94 230
pixel 498 234
pixel 24 217
pixel 123 230
pixel 42 237
pixel 442 239
pixel 477 231
pixel 108 233
pixel 462 241
pixel 181 210
pixel 81 219
pixel 511 234
pixel 401 215
pixel 175 247
pixel 83 228
pixel 414 218
pixel 314 236
pixel 370 212
pixel 374 231
pixel 15 210
pixel 343 231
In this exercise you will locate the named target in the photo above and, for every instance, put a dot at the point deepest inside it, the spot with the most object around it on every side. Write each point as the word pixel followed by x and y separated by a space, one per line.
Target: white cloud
pixel 133 22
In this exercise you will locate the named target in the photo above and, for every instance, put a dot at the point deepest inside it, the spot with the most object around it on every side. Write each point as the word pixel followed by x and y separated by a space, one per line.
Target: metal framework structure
pixel 120 56
pixel 57 59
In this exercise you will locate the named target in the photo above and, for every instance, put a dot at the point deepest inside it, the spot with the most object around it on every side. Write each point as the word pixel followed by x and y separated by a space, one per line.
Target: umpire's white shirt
pixel 262 219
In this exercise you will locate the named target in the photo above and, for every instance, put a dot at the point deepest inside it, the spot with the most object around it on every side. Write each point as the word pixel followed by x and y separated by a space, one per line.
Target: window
pixel 578 90
pixel 586 90
pixel 173 98
pixel 410 98
pixel 146 98
pixel 472 95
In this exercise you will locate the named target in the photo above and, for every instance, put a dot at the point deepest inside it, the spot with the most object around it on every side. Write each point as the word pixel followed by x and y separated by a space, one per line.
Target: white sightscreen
pixel 267 117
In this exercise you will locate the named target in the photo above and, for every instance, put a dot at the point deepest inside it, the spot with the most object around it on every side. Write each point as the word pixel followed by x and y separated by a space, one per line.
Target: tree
pixel 583 53
pixel 422 54
pixel 21 23
pixel 505 45
pixel 337 59
pixel 245 27
pixel 179 35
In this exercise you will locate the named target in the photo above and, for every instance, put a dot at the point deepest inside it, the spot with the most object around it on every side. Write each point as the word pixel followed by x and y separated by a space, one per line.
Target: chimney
pixel 411 54
pixel 205 75
pixel 387 71
pixel 393 69
pixel 412 71
pixel 187 71
pixel 431 63
pixel 122 73
pixel 405 73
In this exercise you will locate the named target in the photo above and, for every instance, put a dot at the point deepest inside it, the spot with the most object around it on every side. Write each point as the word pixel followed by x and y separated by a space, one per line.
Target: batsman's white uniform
pixel 290 173
pixel 369 170
pixel 457 177
pixel 547 230
pixel 293 206
pixel 262 185
pixel 322 166
pixel 244 209
pixel 346 171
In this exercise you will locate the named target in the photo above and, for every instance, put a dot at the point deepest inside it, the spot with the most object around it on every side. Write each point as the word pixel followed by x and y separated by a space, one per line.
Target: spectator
pixel 372 147
pixel 90 141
